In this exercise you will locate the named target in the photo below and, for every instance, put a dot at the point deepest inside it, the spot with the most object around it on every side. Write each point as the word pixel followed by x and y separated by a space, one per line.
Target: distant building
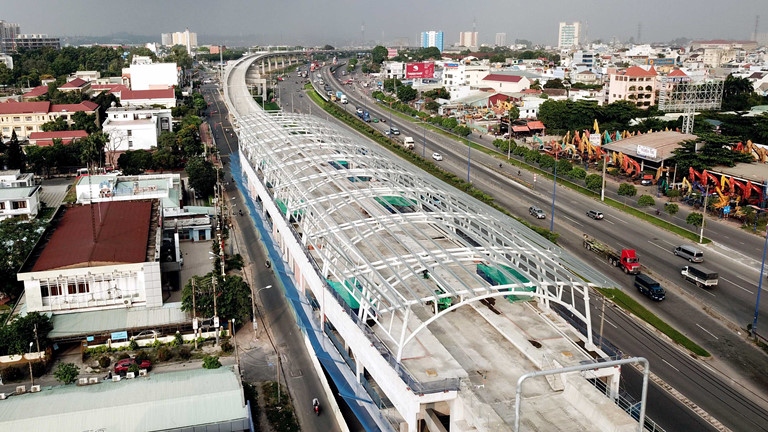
pixel 166 39
pixel 77 85
pixel 504 83
pixel 7 60
pixel 633 84
pixel 35 41
pixel 501 39
pixel 186 38
pixel 35 93
pixel 432 39
pixel 468 39
pixel 8 33
pixel 568 35
pixel 165 98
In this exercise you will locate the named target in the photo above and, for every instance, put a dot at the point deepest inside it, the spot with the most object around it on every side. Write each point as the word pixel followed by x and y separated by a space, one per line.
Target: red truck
pixel 626 259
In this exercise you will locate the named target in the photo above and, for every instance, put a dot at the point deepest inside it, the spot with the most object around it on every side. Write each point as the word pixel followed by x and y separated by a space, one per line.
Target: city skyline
pixel 308 23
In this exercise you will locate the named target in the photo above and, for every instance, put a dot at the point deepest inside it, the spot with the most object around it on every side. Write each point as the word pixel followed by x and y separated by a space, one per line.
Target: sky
pixel 389 22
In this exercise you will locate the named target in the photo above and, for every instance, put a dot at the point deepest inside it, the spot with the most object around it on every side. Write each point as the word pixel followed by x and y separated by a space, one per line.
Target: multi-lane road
pixel 731 386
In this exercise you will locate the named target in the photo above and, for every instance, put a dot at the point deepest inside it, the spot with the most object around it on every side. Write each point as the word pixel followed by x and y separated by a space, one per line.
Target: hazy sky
pixel 338 22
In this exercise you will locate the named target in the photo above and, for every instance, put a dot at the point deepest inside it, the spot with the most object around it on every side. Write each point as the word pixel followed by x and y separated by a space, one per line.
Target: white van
pixel 690 253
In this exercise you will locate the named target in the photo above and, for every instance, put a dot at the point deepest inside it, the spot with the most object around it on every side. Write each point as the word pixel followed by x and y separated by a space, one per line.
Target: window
pixel 28 118
pixel 82 287
pixel 48 290
pixel 71 288
pixel 130 143
pixel 2 206
pixel 17 119
pixel 19 205
pixel 130 132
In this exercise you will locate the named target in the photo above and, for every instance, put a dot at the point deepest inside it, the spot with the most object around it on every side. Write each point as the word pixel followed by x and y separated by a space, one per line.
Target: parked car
pixel 122 366
pixel 535 211
pixel 594 214
pixel 437 156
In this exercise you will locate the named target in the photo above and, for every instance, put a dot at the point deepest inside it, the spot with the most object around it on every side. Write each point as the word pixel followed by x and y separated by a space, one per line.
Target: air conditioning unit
pixel 127 302
pixel 34 389
pixel 82 381
pixel 93 380
pixel 130 375
pixel 3 396
pixel 21 389
pixel 116 378
pixel 142 372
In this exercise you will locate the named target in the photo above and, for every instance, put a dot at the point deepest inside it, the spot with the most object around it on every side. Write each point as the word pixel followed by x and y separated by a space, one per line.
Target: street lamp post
pixel 759 286
pixel 704 215
pixel 469 159
pixel 424 148
pixel 234 340
pixel 31 375
pixel 602 188
pixel 253 305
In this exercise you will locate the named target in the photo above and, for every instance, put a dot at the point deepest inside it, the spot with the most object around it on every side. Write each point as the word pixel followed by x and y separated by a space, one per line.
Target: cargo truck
pixel 649 287
pixel 343 99
pixel 626 259
pixel 700 276
pixel 409 143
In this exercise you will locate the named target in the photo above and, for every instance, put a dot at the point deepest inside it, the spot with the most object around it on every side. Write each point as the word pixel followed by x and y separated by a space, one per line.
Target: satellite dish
pixel 112 104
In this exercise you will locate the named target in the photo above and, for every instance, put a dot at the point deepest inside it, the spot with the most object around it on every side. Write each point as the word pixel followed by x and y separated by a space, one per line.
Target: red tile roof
pixel 82 106
pixel 24 107
pixel 45 139
pixel 122 236
pixel 36 92
pixel 520 128
pixel 147 94
pixel 503 78
pixel 535 125
pixel 677 73
pixel 74 84
pixel 637 71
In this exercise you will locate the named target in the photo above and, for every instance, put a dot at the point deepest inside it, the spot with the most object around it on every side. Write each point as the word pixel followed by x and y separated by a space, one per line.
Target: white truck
pixel 409 143
pixel 343 99
pixel 700 276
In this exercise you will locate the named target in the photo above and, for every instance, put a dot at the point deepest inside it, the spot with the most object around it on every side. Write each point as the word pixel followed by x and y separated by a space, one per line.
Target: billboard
pixel 420 70
pixel 391 52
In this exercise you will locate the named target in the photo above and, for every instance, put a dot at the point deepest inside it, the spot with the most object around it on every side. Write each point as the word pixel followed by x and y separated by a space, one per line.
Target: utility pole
pixel 704 215
pixel 194 312
pixel 234 340
pixel 215 311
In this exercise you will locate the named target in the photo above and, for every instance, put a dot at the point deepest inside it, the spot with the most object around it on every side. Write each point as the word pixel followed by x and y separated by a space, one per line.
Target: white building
pixel 134 128
pixel 6 60
pixel 119 268
pixel 148 98
pixel 504 83
pixel 19 197
pixel 151 76
pixel 501 39
pixel 186 38
pixel 529 109
pixel 568 35
pixel 459 79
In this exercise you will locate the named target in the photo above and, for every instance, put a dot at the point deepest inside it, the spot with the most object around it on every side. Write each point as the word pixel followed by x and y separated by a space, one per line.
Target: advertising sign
pixel 420 70
pixel 115 336
pixel 391 52
pixel 646 152
pixel 594 139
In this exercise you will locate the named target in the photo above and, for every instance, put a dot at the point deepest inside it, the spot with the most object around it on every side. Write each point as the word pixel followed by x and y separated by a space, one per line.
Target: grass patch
pixel 280 415
pixel 629 304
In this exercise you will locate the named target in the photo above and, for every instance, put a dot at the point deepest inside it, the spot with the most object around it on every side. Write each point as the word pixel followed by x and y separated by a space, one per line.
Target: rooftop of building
pixel 177 400
pixel 148 94
pixel 664 142
pixel 99 234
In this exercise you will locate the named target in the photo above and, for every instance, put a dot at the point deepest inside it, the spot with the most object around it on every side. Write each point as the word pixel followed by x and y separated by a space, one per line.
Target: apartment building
pixel 634 84
pixel 432 39
pixel 24 118
pixel 568 35
pixel 134 128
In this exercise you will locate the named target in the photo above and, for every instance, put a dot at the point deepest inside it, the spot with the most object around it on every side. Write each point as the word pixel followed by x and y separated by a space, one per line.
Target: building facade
pixel 24 118
pixel 501 39
pixel 134 128
pixel 432 39
pixel 8 33
pixel 35 41
pixel 468 39
pixel 152 76
pixel 633 84
pixel 568 35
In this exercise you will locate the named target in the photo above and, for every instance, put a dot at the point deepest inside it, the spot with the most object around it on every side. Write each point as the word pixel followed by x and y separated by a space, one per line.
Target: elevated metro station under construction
pixel 423 305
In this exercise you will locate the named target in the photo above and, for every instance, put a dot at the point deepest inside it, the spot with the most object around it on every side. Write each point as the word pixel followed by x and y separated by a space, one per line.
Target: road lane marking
pixel 606 220
pixel 709 332
pixel 573 221
pixel 660 246
pixel 668 364
pixel 737 285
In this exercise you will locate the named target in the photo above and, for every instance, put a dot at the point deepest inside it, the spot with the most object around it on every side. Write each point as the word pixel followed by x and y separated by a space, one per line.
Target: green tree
pixel 462 130
pixel 202 175
pixel 390 84
pixel 593 182
pixel 513 113
pixel 379 54
pixel 627 190
pixel 671 208
pixel 695 219
pixel 438 93
pixel 211 362
pixel 59 124
pixel 646 201
pixel 92 149
pixel 556 83
pixel 14 156
pixel 6 75
pixel 407 93
pixel 83 121
pixel 134 162
pixel 736 92
pixel 66 373
pixel 450 123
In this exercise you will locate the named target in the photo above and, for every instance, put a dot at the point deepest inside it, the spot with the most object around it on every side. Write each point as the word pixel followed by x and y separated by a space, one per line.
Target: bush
pixel 671 208
pixel 613 171
pixel 104 361
pixel 123 355
pixel 178 340
pixel 164 354
pixel 211 362
pixel 133 345
pixel 626 189
pixel 578 173
pixel 564 167
pixel 66 372
pixel 227 347
pixel 673 194
pixel 142 355
pixel 185 352
pixel 13 373
pixel 646 201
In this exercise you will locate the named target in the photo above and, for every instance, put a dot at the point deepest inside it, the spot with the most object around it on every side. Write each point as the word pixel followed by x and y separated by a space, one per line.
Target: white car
pixel 437 156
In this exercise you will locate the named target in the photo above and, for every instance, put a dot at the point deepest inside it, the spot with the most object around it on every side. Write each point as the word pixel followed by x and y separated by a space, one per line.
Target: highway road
pixel 296 368
pixel 738 373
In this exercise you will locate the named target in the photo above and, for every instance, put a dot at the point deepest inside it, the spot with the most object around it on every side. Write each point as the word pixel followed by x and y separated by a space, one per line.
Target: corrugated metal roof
pixel 102 321
pixel 162 401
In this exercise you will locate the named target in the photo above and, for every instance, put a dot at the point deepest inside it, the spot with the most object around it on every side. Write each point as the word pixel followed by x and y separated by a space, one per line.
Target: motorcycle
pixel 316 406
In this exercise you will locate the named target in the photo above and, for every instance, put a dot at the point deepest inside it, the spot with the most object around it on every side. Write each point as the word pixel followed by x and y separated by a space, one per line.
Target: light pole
pixel 424 149
pixel 759 286
pixel 704 216
pixel 469 159
pixel 31 375
pixel 253 304
pixel 234 340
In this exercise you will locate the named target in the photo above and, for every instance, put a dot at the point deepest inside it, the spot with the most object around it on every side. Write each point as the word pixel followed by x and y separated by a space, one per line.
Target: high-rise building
pixel 186 38
pixel 35 41
pixel 501 39
pixel 568 35
pixel 432 39
pixel 8 32
pixel 468 39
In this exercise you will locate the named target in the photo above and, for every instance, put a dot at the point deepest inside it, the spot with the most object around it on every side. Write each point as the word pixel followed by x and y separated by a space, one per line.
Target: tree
pixel 407 93
pixel 593 182
pixel 695 219
pixel 556 83
pixel 66 372
pixel 671 208
pixel 58 124
pixel 14 156
pixel 211 362
pixel 450 123
pixel 513 113
pixel 736 92
pixel 462 130
pixel 83 121
pixel 379 54
pixel 92 149
pixel 135 162
pixel 646 201
pixel 202 175
pixel 627 190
